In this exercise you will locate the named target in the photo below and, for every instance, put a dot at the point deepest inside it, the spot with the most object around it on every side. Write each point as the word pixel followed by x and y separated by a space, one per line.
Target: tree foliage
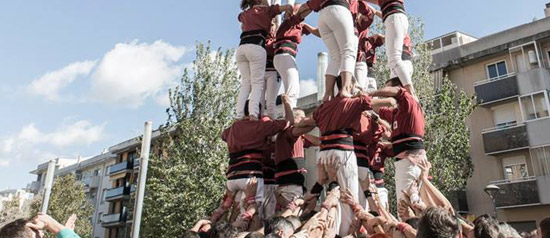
pixel 446 110
pixel 67 198
pixel 186 174
pixel 13 210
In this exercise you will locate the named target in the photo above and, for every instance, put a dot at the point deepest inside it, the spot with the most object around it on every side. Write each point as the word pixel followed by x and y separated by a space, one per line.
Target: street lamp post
pixel 492 191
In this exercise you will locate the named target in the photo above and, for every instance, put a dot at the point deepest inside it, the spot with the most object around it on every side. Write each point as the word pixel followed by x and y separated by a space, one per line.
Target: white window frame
pixel 545 93
pixel 499 75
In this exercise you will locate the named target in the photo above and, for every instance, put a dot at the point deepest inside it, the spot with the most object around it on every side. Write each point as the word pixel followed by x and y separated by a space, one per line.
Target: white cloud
pixel 128 74
pixel 163 99
pixel 132 72
pixel 49 84
pixel 307 87
pixel 79 133
pixel 6 146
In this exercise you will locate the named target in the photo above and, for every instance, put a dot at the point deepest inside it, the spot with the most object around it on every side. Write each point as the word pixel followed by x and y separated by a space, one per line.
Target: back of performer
pixel 337 31
pixel 251 56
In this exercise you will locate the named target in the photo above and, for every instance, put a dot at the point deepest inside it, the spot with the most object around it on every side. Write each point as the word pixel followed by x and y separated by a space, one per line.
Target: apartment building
pixel 92 173
pixel 8 195
pixel 510 130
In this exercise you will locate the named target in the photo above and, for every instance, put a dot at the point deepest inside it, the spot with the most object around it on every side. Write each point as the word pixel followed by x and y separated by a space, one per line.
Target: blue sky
pixel 79 76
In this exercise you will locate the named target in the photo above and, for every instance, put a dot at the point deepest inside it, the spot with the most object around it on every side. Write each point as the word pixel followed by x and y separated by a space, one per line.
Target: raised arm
pixel 313 139
pixel 313 30
pixel 307 122
pixel 384 102
pixel 373 1
pixel 286 8
pixel 304 10
pixel 376 12
pixel 298 131
pixel 386 92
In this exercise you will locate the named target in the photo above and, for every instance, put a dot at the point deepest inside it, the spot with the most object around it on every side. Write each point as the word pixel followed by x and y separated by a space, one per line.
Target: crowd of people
pixel 360 127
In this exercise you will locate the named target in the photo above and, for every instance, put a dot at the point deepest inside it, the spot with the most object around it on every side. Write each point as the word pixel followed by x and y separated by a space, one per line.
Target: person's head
pixel 18 229
pixel 223 229
pixel 486 226
pixel 272 235
pixel 544 228
pixel 413 222
pixel 246 4
pixel 506 231
pixel 296 223
pixel 394 82
pixel 280 226
pixel 254 235
pixel 438 223
pixel 190 234
pixel 299 115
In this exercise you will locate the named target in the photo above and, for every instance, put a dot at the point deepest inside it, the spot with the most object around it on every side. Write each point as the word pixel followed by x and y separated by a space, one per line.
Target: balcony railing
pixel 496 89
pixel 114 219
pixel 503 139
pixel 120 167
pixel 523 192
pixel 117 193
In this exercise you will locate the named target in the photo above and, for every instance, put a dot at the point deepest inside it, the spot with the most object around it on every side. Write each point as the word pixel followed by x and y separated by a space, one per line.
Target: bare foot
pixel 345 94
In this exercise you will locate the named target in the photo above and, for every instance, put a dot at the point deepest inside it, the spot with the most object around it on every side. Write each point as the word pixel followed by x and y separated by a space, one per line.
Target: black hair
pixel 394 82
pixel 438 223
pixel 223 229
pixel 190 234
pixel 16 229
pixel 486 226
pixel 545 228
pixel 413 222
pixel 245 4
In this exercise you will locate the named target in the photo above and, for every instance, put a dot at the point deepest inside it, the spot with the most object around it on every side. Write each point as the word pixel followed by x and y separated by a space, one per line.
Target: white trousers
pixel 251 60
pixel 364 174
pixel 238 186
pixel 347 179
pixel 405 174
pixel 270 201
pixel 397 26
pixel 337 31
pixel 285 64
pixel 383 196
pixel 272 85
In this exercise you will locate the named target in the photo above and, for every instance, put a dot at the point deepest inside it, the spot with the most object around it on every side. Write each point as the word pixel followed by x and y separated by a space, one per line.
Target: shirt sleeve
pixel 240 17
pixel 305 31
pixel 67 233
pixel 365 103
pixel 314 5
pixel 275 10
pixel 225 134
pixel 276 126
pixel 307 143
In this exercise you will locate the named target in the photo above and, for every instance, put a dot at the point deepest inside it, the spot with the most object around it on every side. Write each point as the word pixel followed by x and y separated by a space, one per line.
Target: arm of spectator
pixel 286 8
pixel 293 208
pixel 307 122
pixel 243 222
pixel 332 169
pixel 45 222
pixel 376 12
pixel 373 1
pixel 70 222
pixel 330 205
pixel 304 11
pixel 313 139
pixel 289 114
pixel 200 224
pixel 429 194
pixel 225 204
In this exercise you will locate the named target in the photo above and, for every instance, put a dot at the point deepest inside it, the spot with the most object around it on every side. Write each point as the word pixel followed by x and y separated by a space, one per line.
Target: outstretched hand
pixel 251 188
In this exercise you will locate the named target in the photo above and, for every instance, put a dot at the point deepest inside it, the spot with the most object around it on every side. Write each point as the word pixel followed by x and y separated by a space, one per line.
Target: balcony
pixel 136 163
pixel 114 220
pixel 117 193
pixel 92 182
pixel 505 139
pixel 123 167
pixel 497 89
pixel 518 193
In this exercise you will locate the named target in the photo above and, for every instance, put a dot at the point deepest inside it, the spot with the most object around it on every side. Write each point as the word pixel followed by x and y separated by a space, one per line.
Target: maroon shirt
pixel 251 135
pixel 340 113
pixel 258 18
pixel 390 7
pixel 291 30
pixel 360 7
pixel 318 5
pixel 378 155
pixel 407 119
pixel 369 46
pixel 269 164
pixel 288 146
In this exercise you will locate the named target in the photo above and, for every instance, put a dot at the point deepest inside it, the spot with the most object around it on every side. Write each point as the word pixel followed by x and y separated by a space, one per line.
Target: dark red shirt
pixel 340 113
pixel 389 7
pixel 368 131
pixel 258 18
pixel 318 5
pixel 291 30
pixel 369 47
pixel 407 119
pixel 251 135
pixel 288 146
pixel 360 7
pixel 269 164
pixel 378 155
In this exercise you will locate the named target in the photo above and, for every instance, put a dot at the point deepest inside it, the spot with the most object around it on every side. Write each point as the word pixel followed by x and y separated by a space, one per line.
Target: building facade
pixel 510 130
pixel 92 172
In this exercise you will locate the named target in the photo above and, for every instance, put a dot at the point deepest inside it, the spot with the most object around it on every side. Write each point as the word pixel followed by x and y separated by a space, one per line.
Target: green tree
pixel 186 173
pixel 68 197
pixel 13 210
pixel 446 110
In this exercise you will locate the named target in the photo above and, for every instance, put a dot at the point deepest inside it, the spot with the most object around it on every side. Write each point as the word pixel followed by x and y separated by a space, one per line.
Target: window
pixel 504 116
pixel 97 172
pixel 541 160
pixel 514 172
pixel 497 70
pixel 534 106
